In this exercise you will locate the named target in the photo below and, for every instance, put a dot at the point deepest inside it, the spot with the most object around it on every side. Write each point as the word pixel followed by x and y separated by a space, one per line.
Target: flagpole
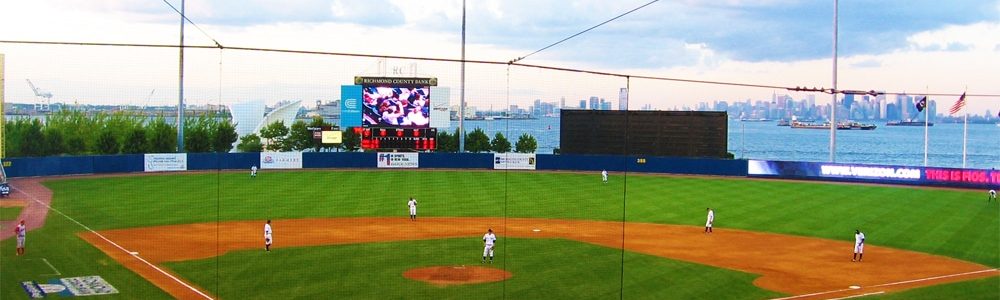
pixel 965 137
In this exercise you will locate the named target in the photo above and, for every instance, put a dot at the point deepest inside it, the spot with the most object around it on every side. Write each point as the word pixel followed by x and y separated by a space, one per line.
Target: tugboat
pixel 784 122
pixel 856 126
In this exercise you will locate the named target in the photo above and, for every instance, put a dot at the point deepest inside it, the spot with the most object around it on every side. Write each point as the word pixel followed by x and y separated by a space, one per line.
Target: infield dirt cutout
pixel 452 275
pixel 788 264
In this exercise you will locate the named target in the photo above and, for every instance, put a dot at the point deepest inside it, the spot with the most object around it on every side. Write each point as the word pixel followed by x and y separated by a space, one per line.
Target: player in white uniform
pixel 604 176
pixel 413 208
pixel 489 240
pixel 267 236
pixel 859 245
pixel 992 197
pixel 710 220
pixel 253 171
pixel 20 231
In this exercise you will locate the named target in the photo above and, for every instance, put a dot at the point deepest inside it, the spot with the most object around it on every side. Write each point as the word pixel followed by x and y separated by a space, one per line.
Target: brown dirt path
pixel 30 192
pixel 788 264
pixel 454 275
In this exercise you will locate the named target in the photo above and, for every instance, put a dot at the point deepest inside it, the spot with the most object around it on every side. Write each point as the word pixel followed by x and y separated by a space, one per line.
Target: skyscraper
pixel 595 103
pixel 623 99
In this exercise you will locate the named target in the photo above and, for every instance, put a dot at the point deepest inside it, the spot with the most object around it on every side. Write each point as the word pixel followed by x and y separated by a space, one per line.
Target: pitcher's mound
pixel 449 275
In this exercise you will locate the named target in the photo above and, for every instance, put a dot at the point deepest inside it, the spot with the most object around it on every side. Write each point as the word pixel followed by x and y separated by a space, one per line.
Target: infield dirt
pixel 788 264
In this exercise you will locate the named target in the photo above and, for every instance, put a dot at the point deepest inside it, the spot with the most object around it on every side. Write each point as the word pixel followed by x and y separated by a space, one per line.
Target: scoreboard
pixel 397 138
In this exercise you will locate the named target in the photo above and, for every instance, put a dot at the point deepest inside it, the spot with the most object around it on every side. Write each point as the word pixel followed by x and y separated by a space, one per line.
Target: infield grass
pixel 979 289
pixel 9 213
pixel 542 269
pixel 952 223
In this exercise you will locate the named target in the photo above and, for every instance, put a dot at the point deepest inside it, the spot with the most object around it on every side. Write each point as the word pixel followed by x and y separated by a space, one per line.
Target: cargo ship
pixel 840 126
pixel 908 123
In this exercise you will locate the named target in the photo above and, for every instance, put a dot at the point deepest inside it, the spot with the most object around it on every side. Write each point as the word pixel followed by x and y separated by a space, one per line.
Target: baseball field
pixel 346 234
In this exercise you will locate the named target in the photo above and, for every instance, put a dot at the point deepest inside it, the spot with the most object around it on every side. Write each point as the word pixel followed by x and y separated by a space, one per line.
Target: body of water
pixel 889 145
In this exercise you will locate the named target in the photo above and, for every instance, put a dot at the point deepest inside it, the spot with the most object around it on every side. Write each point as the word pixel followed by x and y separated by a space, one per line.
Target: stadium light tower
pixel 180 90
pixel 461 102
pixel 833 103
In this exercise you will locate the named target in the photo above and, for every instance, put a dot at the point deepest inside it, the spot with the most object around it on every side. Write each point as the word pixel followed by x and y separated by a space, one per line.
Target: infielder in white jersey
pixel 413 208
pixel 604 176
pixel 267 236
pixel 859 245
pixel 253 171
pixel 710 220
pixel 489 241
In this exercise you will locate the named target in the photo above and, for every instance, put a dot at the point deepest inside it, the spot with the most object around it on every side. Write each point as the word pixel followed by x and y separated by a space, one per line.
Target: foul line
pixel 116 245
pixel 859 296
pixel 888 284
pixel 47 263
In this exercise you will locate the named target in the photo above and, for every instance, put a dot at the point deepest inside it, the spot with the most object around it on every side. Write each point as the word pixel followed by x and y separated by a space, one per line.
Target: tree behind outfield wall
pixel 500 144
pixel 299 137
pixel 526 144
pixel 224 136
pixel 198 134
pixel 477 141
pixel 135 141
pixel 318 122
pixel 250 143
pixel 162 136
pixel 53 143
pixel 274 135
pixel 350 141
pixel 106 142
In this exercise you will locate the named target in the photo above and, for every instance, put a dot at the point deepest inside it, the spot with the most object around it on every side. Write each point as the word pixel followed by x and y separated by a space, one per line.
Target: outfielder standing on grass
pixel 992 196
pixel 489 240
pixel 413 208
pixel 253 171
pixel 859 245
pixel 267 236
pixel 20 231
pixel 604 176
pixel 711 219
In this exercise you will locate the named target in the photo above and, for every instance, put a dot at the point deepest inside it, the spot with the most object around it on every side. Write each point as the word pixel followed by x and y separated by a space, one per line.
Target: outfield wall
pixel 104 164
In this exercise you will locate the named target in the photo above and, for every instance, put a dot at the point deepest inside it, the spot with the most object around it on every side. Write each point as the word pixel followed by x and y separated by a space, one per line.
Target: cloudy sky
pixel 896 46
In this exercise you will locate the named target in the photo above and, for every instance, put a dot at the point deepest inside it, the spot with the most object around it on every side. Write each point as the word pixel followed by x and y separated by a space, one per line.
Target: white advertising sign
pixel 281 160
pixel 160 162
pixel 514 161
pixel 398 160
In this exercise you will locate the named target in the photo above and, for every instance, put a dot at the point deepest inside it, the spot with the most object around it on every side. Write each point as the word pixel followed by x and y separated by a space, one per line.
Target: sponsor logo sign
pixel 398 160
pixel 69 287
pixel 281 160
pixel 875 173
pixel 514 161
pixel 162 162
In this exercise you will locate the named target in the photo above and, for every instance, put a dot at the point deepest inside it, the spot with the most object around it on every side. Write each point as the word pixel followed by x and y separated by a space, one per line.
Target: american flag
pixel 957 107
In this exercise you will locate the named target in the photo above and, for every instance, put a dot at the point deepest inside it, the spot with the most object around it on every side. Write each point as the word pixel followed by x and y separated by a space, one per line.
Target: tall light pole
pixel 833 103
pixel 461 105
pixel 180 96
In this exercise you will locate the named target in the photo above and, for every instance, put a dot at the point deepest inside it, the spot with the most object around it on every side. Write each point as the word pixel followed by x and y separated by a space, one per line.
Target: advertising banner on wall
pixel 398 160
pixel 281 160
pixel 875 173
pixel 162 162
pixel 441 107
pixel 350 106
pixel 514 161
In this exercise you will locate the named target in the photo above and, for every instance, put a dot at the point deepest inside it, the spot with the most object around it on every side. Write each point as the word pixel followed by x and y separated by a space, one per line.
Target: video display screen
pixel 396 106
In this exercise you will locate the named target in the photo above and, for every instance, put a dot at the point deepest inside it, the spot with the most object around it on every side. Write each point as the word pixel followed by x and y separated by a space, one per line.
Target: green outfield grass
pixel 952 223
pixel 9 213
pixel 542 269
pixel 979 289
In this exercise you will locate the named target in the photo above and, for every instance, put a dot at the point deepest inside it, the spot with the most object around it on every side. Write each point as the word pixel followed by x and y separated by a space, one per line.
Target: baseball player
pixel 253 171
pixel 267 236
pixel 604 176
pixel 20 230
pixel 859 245
pixel 413 208
pixel 992 196
pixel 711 219
pixel 489 241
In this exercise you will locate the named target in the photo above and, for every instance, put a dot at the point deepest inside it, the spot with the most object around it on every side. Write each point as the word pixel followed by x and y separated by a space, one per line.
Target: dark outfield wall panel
pixel 205 161
pixel 718 167
pixel 118 163
pixel 339 160
pixel 48 166
pixel 456 161
pixel 243 161
pixel 564 162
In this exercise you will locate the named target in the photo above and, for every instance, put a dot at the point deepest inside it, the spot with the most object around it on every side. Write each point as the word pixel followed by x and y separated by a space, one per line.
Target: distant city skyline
pixel 896 46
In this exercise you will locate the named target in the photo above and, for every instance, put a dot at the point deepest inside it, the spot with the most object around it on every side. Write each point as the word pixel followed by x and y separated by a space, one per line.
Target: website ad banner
pixel 514 161
pixel 398 160
pixel 875 173
pixel 281 160
pixel 163 162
